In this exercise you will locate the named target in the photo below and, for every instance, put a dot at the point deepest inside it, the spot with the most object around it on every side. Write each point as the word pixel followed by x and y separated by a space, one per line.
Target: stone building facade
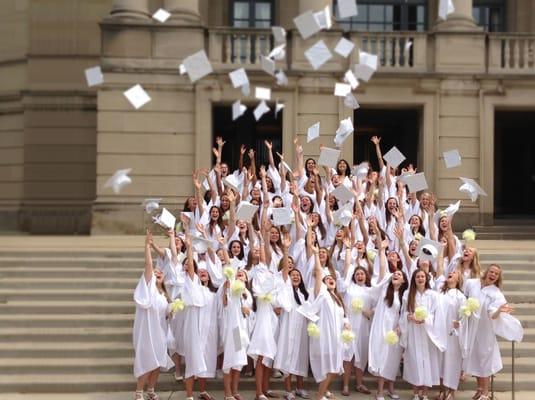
pixel 464 84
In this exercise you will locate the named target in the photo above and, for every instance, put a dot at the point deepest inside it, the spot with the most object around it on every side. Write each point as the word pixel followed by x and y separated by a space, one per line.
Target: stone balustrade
pixel 511 53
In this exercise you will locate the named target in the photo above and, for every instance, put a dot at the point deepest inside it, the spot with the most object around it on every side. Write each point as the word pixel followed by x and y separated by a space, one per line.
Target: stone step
pixel 67 366
pixel 66 262
pixel 71 272
pixel 53 349
pixel 68 283
pixel 66 334
pixel 50 383
pixel 503 235
pixel 523 349
pixel 46 320
pixel 504 228
pixel 66 294
pixel 524 309
pixel 71 307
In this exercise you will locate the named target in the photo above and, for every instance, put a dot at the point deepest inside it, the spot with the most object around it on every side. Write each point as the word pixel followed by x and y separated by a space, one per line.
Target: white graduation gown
pixel 208 323
pixel 326 350
pixel 292 344
pixel 479 342
pixel 384 359
pixel 423 343
pixel 150 329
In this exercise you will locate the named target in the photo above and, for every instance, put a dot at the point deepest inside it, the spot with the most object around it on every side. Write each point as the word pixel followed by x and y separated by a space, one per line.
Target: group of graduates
pixel 272 270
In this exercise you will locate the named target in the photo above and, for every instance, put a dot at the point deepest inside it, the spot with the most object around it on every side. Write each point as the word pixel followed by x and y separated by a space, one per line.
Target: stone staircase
pixel 66 322
pixel 507 230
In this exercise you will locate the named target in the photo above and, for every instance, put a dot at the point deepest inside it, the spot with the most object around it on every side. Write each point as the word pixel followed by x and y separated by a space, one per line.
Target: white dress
pixel 451 358
pixel 423 343
pixel 360 325
pixel 478 338
pixel 208 323
pixel 326 350
pixel 150 329
pixel 384 359
pixel 263 342
pixel 292 344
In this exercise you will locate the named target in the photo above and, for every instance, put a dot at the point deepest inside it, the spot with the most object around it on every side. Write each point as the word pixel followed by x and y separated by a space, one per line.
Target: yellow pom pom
pixel 472 304
pixel 237 287
pixel 347 336
pixel 464 312
pixel 226 216
pixel 391 338
pixel 313 330
pixel 418 237
pixel 228 271
pixel 420 313
pixel 371 254
pixel 177 305
pixel 469 234
pixel 356 305
pixel 266 298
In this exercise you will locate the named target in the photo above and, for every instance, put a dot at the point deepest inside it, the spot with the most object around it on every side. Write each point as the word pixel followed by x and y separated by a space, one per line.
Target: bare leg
pixel 202 384
pixel 380 386
pixel 189 386
pixel 288 383
pixel 485 386
pixel 324 386
pixel 140 385
pixel 177 360
pixel 359 374
pixel 227 383
pixel 235 381
pixel 347 374
pixel 391 386
pixel 153 378
pixel 266 378
pixel 259 375
pixel 300 382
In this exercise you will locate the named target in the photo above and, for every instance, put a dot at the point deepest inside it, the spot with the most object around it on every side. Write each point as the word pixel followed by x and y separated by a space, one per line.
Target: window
pixel 252 13
pixel 387 16
pixel 490 14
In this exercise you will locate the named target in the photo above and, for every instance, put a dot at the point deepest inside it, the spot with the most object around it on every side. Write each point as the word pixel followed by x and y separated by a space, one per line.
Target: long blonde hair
pixel 499 281
pixel 475 266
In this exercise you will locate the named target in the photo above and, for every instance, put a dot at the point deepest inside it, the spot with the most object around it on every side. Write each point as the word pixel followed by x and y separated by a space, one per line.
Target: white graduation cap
pixel 307 24
pixel 282 216
pixel 347 8
pixel 318 54
pixel 94 76
pixel 445 7
pixel 278 53
pixel 342 89
pixel 201 245
pixel 428 249
pixel 278 108
pixel 350 78
pixel 342 193
pixel 452 158
pixel 119 180
pixel 328 157
pixel 267 65
pixel 237 110
pixel 262 93
pixel 166 219
pixel 471 188
pixel 308 311
pixel 161 15
pixel 448 212
pixel 260 110
pixel 394 157
pixel 313 132
pixel 344 130
pixel 344 47
pixel 282 79
pixel 197 66
pixel 351 101
pixel 232 182
pixel 361 170
pixel 324 18
pixel 344 215
pixel 416 182
pixel 279 34
pixel 137 96
pixel 151 205
pixel 246 211
pixel 239 78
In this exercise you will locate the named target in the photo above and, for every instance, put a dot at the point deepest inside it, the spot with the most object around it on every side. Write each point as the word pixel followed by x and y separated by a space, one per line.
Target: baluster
pixel 248 49
pixel 228 48
pixel 257 48
pixel 388 52
pixel 395 51
pixel 516 59
pixel 401 43
pixel 531 60
pixel 506 50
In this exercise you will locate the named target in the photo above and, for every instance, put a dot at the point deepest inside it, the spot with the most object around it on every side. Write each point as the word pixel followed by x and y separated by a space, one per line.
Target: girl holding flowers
pixel 150 327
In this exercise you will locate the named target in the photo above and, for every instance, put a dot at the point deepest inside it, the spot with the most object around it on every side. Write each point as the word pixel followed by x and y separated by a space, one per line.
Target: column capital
pixel 138 9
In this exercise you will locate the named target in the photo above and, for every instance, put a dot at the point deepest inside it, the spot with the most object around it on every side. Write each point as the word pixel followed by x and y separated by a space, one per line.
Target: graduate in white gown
pixel 292 343
pixel 423 335
pixel 384 356
pixel 493 318
pixel 150 327
pixel 326 351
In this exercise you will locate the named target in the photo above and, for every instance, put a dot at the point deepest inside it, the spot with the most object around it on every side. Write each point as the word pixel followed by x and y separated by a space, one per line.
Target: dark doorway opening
pixel 514 164
pixel 398 128
pixel 247 131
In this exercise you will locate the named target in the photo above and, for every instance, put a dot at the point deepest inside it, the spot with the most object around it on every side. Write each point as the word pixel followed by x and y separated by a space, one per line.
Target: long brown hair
pixel 459 284
pixel 368 280
pixel 411 300
pixel 389 297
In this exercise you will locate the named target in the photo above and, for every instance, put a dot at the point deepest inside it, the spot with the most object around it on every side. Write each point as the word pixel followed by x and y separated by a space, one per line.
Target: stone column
pixel 130 9
pixel 184 11
pixel 314 5
pixel 459 20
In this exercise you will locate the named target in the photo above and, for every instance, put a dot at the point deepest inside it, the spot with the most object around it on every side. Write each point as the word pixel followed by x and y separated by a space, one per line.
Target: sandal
pixel 261 397
pixel 205 396
pixel 329 395
pixel 229 398
pixel 272 394
pixel 152 394
pixel 393 396
pixel 237 396
pixel 477 395
pixel 345 391
pixel 138 395
pixel 362 389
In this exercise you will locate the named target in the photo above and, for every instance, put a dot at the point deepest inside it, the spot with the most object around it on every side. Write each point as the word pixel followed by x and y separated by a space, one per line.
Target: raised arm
pixel 282 172
pixel 243 150
pixel 440 261
pixel 299 234
pixel 310 245
pixel 381 246
pixel 252 168
pixel 220 143
pixel 269 147
pixel 198 195
pixel 317 186
pixel 347 261
pixel 286 242
pixel 149 271
pixel 265 231
pixel 299 158
pixel 213 189
pixel 317 270
pixel 377 142
pixel 189 251
pixel 172 246
pixel 263 174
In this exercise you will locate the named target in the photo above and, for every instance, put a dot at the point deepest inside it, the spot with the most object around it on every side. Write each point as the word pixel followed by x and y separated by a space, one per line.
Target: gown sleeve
pixel 145 292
